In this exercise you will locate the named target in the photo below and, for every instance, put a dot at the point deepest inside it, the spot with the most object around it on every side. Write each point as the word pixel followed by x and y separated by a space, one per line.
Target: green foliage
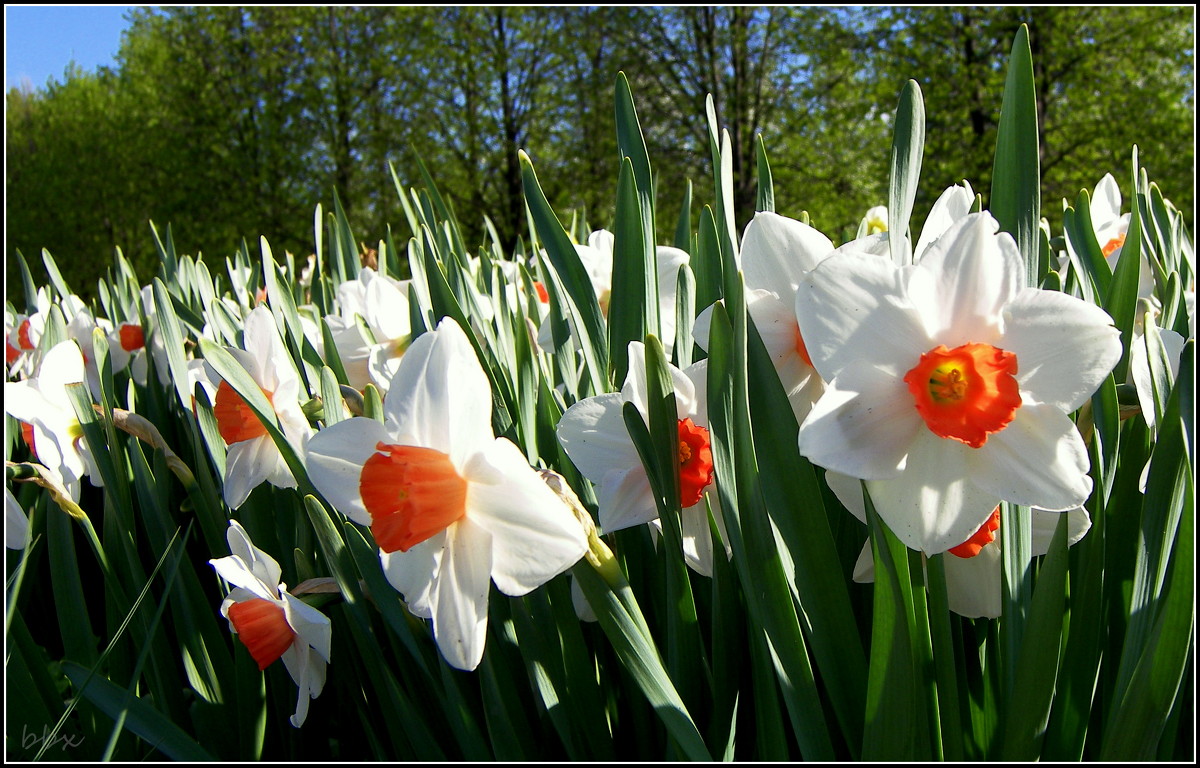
pixel 232 123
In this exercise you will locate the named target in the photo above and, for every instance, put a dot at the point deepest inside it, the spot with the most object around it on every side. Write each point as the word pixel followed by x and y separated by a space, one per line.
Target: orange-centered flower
pixel 695 462
pixel 263 629
pixel 984 536
pixel 965 393
pixel 132 337
pixel 23 336
pixel 235 420
pixel 542 294
pixel 1113 245
pixel 412 493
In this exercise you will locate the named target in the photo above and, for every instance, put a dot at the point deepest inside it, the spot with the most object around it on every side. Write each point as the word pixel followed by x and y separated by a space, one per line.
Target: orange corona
pixel 965 393
pixel 695 462
pixel 235 420
pixel 412 493
pixel 263 629
pixel 984 536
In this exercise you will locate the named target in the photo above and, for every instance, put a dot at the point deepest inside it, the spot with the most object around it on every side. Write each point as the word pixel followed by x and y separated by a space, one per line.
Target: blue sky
pixel 39 41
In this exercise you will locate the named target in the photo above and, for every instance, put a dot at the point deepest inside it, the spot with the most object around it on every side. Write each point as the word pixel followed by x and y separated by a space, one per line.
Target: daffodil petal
pixel 864 566
pixel 1106 202
pixel 864 425
pixel 460 595
pixel 387 309
pixel 534 535
pixel 1043 525
pixel 973 583
pixel 248 464
pixel 1038 460
pixel 62 365
pixel 299 663
pixel 625 499
pixel 854 307
pixel 236 571
pixel 953 204
pixel 848 491
pixel 1139 368
pixel 592 432
pixel 635 391
pixel 965 279
pixel 698 544
pixel 440 397
pixel 778 251
pixel 16 524
pixel 335 461
pixel 1038 326
pixel 309 624
pixel 261 565
pixel 412 573
pixel 932 505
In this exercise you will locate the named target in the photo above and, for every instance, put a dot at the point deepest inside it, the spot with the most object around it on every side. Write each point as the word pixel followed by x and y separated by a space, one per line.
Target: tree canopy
pixel 231 122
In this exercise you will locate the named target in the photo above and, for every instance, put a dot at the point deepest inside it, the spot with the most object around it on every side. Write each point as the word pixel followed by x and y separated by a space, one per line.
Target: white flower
pixel 597 259
pixel 270 621
pixel 42 402
pixel 594 435
pixel 451 506
pixel 948 387
pixel 382 304
pixel 973 568
pixel 776 253
pixel 253 457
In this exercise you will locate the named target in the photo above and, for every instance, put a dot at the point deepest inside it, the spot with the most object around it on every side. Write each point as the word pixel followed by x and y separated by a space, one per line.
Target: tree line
pixel 232 122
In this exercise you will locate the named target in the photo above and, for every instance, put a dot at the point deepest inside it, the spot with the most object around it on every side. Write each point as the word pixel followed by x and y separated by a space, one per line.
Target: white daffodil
pixel 450 505
pixel 597 259
pixel 271 622
pixel 949 384
pixel 127 348
pixel 1111 226
pixel 21 336
pixel 776 254
pixel 382 304
pixel 54 432
pixel 1139 367
pixel 253 457
pixel 874 221
pixel 594 436
pixel 973 568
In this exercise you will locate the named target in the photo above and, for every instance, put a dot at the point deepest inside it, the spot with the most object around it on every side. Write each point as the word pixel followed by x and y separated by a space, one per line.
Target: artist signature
pixel 30 740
